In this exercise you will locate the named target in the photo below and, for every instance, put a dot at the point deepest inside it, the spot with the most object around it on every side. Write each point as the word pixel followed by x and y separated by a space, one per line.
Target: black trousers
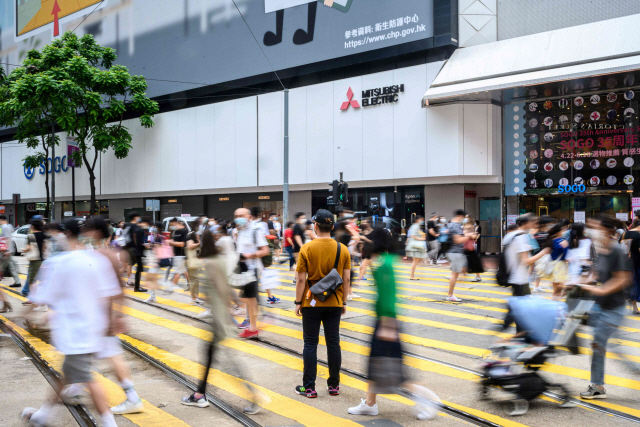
pixel 329 317
pixel 137 261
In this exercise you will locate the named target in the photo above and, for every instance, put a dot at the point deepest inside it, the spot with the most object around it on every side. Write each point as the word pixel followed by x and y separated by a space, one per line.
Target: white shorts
pixel 151 262
pixel 111 346
pixel 179 264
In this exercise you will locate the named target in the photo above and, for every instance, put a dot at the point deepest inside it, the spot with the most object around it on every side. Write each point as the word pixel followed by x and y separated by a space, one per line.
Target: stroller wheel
pixel 518 407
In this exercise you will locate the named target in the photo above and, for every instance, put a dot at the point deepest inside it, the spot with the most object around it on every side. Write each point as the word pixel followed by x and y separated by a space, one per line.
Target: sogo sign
pixel 384 95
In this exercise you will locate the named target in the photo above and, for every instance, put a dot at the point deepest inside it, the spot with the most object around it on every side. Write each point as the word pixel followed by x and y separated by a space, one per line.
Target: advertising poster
pixel 579 216
pixel 622 216
pixel 511 219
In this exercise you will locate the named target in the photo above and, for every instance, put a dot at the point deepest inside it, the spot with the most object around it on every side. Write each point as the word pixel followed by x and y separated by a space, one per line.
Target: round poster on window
pixel 578 101
pixel 595 84
pixel 628 161
pixel 533 167
pixel 548 166
pixel 578 117
pixel 612 114
pixel 595 116
pixel 612 180
pixel 533 154
pixel 628 179
pixel 533 106
pixel 533 138
pixel 548 137
pixel 628 113
pixel 578 180
pixel 547 105
pixel 548 182
pixel 629 80
pixel 548 121
pixel 563 103
pixel 564 165
pixel 594 181
pixel 533 183
pixel 595 164
pixel 611 97
pixel 628 95
pixel 611 83
pixel 563 119
pixel 563 181
pixel 595 99
pixel 532 92
pixel 533 123
pixel 578 165
pixel 578 87
pixel 611 163
pixel 548 153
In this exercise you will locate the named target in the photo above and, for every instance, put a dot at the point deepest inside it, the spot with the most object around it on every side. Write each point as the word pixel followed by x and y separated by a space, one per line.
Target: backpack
pixel 126 237
pixel 267 260
pixel 502 275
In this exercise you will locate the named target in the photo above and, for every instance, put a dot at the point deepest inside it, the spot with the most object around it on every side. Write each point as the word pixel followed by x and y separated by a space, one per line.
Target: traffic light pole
pixel 285 186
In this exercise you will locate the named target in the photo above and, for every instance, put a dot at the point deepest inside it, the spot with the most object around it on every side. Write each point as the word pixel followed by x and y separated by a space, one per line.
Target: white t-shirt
pixel 77 285
pixel 228 250
pixel 278 227
pixel 518 271
pixel 579 256
pixel 250 238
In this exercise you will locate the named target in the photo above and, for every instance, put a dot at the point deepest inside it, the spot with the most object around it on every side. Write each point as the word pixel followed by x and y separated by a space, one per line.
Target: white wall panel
pixel 224 141
pixel 444 140
pixel 298 118
pixel 270 148
pixel 187 154
pixel 246 142
pixel 320 153
pixel 476 132
pixel 410 124
pixel 108 165
pixel 153 159
pixel 205 147
pixel 347 131
pixel 137 167
pixel 377 130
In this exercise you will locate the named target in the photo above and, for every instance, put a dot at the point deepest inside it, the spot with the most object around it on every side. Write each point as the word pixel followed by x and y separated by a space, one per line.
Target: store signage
pixel 264 197
pixel 72 147
pixel 635 203
pixel 622 216
pixel 468 194
pixel 172 201
pixel 377 96
pixel 1 209
pixel 579 216
pixel 31 208
pixel 572 188
pixel 186 215
pixel 68 213
pixel 223 199
pixel 58 164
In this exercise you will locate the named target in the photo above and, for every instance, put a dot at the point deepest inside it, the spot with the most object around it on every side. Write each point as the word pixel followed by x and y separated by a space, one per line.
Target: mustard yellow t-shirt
pixel 317 259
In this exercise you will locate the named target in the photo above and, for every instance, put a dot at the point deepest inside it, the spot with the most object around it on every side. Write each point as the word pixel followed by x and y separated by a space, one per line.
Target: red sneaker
pixel 248 334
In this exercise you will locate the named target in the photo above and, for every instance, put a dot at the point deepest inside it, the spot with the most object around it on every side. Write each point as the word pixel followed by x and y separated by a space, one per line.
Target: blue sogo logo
pixel 572 188
pixel 56 165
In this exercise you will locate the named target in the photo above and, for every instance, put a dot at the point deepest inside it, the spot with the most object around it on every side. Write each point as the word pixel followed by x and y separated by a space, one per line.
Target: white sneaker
pixel 151 299
pixel 363 409
pixel 128 407
pixel 72 394
pixel 199 301
pixel 355 296
pixel 453 298
pixel 41 308
pixel 206 313
pixel 349 297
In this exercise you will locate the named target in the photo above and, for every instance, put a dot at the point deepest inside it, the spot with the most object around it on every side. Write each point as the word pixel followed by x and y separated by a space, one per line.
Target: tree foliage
pixel 74 83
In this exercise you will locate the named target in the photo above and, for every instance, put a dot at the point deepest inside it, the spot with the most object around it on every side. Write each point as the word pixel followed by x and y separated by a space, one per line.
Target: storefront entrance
pixel 578 209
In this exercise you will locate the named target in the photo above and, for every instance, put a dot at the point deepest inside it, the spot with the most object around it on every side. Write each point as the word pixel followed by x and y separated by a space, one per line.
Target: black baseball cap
pixel 323 216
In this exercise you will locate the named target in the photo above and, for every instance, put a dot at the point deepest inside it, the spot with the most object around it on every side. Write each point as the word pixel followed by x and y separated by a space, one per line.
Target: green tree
pixel 74 83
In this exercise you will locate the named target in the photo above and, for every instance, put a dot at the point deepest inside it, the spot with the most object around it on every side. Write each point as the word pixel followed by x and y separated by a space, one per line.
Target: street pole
pixel 53 173
pixel 73 189
pixel 285 186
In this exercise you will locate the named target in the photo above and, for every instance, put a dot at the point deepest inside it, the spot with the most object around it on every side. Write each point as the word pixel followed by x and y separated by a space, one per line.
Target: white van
pixel 187 220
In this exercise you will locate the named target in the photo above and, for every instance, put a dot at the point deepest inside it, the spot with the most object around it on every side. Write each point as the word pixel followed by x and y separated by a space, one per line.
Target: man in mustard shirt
pixel 316 260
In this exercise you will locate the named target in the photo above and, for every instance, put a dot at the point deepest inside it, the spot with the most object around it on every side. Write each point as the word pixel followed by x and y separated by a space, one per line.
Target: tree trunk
pixel 92 184
pixel 46 184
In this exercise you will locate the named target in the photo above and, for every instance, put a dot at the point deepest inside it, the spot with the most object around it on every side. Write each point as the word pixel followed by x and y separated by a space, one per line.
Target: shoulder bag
pixel 34 252
pixel 327 286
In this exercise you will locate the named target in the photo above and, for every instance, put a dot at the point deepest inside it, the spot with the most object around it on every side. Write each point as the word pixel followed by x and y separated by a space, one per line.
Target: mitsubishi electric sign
pixel 377 96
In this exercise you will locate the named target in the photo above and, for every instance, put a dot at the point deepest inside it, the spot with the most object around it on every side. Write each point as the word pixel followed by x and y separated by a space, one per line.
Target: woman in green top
pixel 386 371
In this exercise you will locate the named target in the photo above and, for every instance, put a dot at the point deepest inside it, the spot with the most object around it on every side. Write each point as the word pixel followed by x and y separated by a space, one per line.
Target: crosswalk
pixel 446 341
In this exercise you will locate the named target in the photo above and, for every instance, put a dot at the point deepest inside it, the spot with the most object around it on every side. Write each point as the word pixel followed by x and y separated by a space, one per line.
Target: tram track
pixel 451 411
pixel 80 413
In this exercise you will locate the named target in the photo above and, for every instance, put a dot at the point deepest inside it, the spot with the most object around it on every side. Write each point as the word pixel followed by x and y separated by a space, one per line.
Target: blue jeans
pixel 292 261
pixel 604 323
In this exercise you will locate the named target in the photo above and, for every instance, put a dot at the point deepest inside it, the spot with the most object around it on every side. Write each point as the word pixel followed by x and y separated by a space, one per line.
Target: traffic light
pixel 335 185
pixel 343 197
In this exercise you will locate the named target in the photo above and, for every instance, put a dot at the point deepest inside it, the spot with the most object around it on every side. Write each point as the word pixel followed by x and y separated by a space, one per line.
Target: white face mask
pixel 173 228
pixel 442 220
pixel 466 220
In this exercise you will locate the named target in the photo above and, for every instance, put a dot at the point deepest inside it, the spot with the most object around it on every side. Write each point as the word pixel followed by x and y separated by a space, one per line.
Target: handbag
pixel 242 276
pixel 34 252
pixel 415 245
pixel 327 286
pixel 469 245
pixel 544 266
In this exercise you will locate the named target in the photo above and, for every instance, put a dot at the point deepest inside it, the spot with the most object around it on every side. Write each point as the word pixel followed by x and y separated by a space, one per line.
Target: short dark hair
pixel 174 219
pixel 522 220
pixel 609 222
pixel 99 225
pixel 545 219
pixel 37 224
pixel 256 211
pixel 3 217
pixel 289 224
pixel 325 228
pixel 459 212
pixel 133 215
pixel 209 247
pixel 146 220
pixel 299 214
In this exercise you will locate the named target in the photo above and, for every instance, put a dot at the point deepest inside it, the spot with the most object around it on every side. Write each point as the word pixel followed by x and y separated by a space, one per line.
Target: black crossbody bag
pixel 327 286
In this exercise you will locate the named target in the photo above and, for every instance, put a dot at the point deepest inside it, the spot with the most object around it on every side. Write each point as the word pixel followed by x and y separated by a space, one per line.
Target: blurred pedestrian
pixel 474 264
pixel 322 259
pixel 193 262
pixel 455 252
pixel 178 241
pixel 416 247
pixel 386 372
pixel 6 257
pixel 432 238
pixel 34 252
pixel 287 243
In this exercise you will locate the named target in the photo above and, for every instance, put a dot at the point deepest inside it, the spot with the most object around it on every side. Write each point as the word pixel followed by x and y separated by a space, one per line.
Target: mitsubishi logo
pixel 351 101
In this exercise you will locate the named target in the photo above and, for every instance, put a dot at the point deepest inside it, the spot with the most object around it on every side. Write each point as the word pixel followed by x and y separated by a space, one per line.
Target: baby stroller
pixel 514 365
